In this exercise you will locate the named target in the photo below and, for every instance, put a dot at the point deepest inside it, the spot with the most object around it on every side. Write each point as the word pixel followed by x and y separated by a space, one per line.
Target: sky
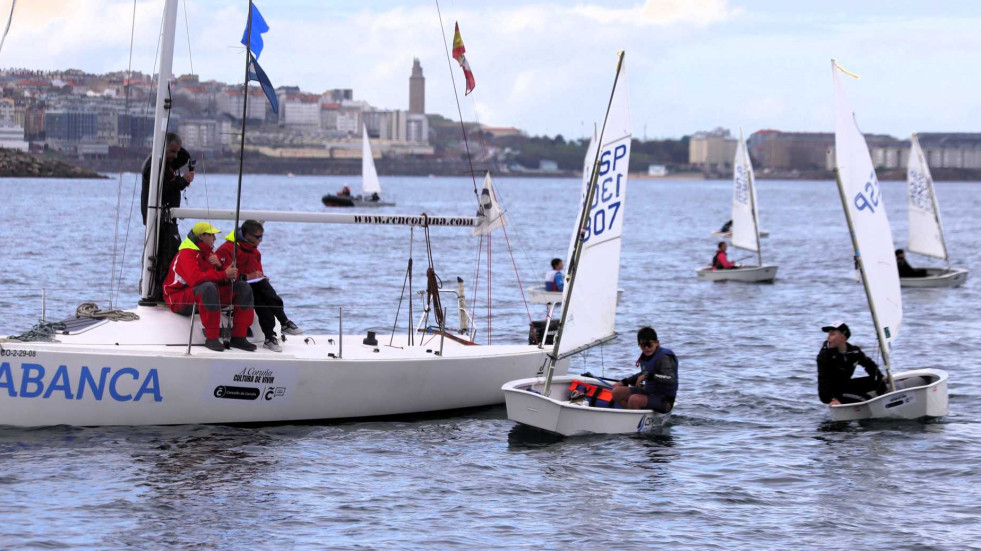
pixel 548 67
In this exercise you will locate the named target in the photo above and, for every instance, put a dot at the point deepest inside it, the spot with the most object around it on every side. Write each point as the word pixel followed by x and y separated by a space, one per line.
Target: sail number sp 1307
pixel 609 189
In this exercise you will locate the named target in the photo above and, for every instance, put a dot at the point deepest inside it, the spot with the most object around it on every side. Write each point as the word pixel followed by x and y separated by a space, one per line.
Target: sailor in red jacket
pixel 196 276
pixel 248 260
pixel 720 261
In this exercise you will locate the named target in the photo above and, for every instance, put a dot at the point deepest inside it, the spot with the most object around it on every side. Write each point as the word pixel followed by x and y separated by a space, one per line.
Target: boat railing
pixel 469 328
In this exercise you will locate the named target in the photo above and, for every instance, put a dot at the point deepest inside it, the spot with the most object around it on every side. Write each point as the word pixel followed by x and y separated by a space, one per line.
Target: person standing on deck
pixel 656 386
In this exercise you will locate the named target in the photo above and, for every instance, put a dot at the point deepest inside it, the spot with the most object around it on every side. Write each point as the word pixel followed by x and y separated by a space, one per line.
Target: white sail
pixel 591 310
pixel 866 214
pixel 926 235
pixel 744 205
pixel 488 210
pixel 369 177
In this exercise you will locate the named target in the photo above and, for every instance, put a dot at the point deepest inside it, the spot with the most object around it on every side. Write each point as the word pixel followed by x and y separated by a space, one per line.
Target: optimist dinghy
pixel 589 314
pixel 370 185
pixel 926 233
pixel 916 393
pixel 745 225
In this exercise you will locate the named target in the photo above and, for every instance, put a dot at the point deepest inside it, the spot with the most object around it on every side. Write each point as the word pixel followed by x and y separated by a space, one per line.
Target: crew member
pixel 836 363
pixel 905 270
pixel 172 183
pixel 656 386
pixel 720 261
pixel 554 280
pixel 196 276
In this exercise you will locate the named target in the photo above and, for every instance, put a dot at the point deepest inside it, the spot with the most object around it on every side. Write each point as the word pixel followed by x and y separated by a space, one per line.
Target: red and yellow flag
pixel 458 51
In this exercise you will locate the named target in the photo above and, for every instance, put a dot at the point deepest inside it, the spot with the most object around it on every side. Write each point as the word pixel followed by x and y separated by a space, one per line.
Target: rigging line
pixel 119 186
pixel 476 280
pixel 6 29
pixel 449 64
pixel 187 29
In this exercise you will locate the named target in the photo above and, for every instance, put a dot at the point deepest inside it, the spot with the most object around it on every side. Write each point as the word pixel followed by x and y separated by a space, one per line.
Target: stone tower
pixel 417 89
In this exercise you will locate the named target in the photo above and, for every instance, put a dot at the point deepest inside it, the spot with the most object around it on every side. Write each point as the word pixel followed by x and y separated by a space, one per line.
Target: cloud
pixel 700 13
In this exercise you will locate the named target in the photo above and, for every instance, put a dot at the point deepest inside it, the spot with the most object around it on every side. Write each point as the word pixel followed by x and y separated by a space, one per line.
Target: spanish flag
pixel 458 51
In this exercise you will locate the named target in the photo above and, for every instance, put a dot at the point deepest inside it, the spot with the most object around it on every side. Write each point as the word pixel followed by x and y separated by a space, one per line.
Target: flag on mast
pixel 252 37
pixel 458 51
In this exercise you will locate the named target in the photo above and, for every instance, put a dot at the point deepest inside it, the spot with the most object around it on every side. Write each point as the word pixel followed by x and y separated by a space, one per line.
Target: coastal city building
pixel 712 151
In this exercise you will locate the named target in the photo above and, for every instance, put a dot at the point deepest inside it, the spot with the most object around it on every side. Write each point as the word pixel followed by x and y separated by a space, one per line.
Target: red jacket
pixel 191 267
pixel 249 258
pixel 722 261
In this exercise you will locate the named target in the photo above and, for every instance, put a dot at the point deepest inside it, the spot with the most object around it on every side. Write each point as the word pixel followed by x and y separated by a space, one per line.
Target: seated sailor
pixel 554 280
pixel 720 261
pixel 836 363
pixel 905 270
pixel 656 386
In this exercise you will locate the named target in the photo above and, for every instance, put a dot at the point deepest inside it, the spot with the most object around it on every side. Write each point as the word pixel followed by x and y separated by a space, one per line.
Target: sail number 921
pixel 607 199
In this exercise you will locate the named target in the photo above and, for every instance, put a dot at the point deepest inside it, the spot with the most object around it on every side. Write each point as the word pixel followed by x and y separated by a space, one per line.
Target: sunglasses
pixel 646 344
pixel 257 237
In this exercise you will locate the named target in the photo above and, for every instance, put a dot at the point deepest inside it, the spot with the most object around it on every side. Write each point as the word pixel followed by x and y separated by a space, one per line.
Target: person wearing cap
pixel 656 386
pixel 241 249
pixel 196 276
pixel 905 270
pixel 836 363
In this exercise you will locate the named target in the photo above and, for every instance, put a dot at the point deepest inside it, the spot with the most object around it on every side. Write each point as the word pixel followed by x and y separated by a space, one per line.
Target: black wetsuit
pixel 172 184
pixel 835 375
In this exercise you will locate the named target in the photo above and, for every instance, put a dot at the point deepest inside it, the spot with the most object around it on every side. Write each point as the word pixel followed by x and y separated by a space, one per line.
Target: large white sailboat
pixel 154 369
pixel 588 318
pixel 745 230
pixel 916 393
pixel 926 233
pixel 370 195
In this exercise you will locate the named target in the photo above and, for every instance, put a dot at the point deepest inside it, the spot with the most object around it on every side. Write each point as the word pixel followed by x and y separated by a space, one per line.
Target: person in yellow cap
pixel 196 277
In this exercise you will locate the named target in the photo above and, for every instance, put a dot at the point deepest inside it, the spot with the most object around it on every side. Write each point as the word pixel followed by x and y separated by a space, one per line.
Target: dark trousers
pixel 170 241
pixel 856 390
pixel 268 307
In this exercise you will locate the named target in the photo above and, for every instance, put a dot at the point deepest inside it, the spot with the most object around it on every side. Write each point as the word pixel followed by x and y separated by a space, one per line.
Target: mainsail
pixel 866 214
pixel 926 235
pixel 590 312
pixel 745 214
pixel 369 177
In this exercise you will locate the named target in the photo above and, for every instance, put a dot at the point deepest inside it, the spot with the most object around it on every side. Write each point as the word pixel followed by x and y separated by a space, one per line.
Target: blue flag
pixel 257 74
pixel 259 26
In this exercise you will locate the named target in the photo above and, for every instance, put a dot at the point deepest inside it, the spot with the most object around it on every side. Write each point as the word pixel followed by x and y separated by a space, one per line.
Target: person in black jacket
pixel 656 386
pixel 836 363
pixel 905 270
pixel 172 183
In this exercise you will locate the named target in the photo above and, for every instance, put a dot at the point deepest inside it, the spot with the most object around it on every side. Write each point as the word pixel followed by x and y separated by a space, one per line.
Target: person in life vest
pixel 720 261
pixel 836 363
pixel 727 227
pixel 905 270
pixel 345 192
pixel 656 386
pixel 196 276
pixel 554 280
pixel 268 305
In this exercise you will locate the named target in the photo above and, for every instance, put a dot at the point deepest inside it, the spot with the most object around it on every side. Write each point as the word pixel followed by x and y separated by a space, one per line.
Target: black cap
pixel 838 326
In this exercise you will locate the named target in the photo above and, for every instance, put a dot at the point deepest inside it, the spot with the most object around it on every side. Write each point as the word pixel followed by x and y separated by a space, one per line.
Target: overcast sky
pixel 547 67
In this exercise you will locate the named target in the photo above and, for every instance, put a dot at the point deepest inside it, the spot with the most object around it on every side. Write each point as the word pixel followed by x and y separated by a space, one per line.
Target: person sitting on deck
pixel 720 261
pixel 248 259
pixel 344 192
pixel 196 276
pixel 375 198
pixel 905 270
pixel 727 227
pixel 554 280
pixel 836 363
pixel 656 386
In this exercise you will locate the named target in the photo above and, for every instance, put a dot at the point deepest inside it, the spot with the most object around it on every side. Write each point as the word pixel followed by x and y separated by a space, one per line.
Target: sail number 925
pixel 607 199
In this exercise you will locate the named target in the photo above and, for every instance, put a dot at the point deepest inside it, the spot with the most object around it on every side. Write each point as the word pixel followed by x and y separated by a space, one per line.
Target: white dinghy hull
pixel 554 413
pixel 936 277
pixel 540 296
pixel 748 274
pixel 138 373
pixel 727 234
pixel 920 393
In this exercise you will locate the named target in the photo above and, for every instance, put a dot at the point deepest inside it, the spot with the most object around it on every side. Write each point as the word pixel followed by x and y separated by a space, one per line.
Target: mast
pixel 752 198
pixel 865 280
pixel 933 198
pixel 241 148
pixel 159 143
pixel 580 229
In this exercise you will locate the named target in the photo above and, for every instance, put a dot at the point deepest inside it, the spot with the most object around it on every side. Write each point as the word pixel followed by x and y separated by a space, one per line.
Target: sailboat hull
pixel 727 234
pixel 747 274
pixel 936 277
pixel 343 201
pixel 920 393
pixel 555 413
pixel 89 380
pixel 541 296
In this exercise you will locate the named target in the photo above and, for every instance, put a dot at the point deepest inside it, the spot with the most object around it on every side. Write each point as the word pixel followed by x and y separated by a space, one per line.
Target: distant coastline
pixel 18 164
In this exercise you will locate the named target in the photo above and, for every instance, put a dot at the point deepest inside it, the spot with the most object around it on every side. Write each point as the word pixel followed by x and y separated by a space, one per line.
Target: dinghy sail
pixel 369 176
pixel 590 293
pixel 872 241
pixel 926 233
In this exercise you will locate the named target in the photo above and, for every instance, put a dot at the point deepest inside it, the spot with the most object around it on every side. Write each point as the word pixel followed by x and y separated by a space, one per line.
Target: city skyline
pixel 546 68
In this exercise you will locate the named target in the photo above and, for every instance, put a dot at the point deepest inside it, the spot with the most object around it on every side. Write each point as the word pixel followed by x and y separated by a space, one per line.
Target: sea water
pixel 749 460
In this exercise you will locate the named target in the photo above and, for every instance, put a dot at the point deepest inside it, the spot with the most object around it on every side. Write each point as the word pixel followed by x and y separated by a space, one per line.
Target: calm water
pixel 750 460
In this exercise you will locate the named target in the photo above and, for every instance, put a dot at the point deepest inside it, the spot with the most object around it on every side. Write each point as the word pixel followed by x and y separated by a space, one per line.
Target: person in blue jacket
pixel 554 280
pixel 656 386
